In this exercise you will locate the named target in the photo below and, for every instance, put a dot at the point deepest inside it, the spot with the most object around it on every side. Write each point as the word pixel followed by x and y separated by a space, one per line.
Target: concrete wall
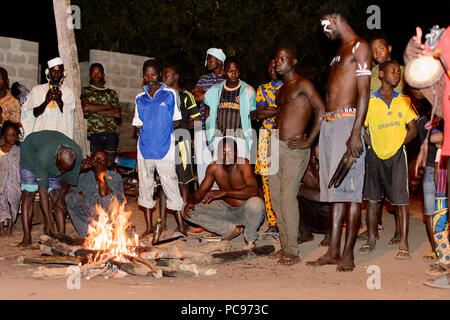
pixel 123 73
pixel 20 58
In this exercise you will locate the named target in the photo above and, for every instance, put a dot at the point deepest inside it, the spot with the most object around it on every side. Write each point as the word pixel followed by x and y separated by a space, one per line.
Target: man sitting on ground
pixel 97 186
pixel 315 216
pixel 235 205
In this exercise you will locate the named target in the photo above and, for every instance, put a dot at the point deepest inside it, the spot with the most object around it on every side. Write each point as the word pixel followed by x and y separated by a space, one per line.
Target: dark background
pixel 181 31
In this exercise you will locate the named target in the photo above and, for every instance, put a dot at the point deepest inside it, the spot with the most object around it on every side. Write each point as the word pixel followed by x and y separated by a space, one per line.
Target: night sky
pixel 398 22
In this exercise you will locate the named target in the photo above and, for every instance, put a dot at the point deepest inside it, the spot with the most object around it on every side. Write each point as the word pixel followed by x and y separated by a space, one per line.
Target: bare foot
pixel 325 242
pixel 288 260
pixel 48 231
pixel 305 238
pixel 146 234
pixel 276 255
pixel 24 244
pixel 323 260
pixel 237 231
pixel 345 266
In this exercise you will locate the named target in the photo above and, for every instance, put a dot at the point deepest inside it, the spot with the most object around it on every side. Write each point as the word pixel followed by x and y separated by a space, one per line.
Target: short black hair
pixel 334 7
pixel 3 73
pixel 174 67
pixel 385 64
pixel 231 60
pixel 227 140
pixel 9 124
pixel 15 90
pixel 292 48
pixel 152 63
pixel 380 36
pixel 98 65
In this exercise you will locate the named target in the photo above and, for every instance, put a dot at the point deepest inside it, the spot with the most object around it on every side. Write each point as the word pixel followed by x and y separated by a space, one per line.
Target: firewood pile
pixel 149 261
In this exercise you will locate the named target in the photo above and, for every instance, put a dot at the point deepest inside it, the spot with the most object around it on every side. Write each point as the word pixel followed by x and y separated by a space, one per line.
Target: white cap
pixel 215 52
pixel 54 62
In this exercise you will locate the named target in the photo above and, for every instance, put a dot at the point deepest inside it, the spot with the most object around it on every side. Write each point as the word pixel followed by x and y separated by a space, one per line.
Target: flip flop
pixel 437 270
pixel 366 249
pixel 403 254
pixel 441 283
pixel 429 257
pixel 363 236
pixel 395 240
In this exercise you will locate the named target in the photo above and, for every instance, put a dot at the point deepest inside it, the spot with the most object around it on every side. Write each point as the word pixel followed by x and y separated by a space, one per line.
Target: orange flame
pixel 108 233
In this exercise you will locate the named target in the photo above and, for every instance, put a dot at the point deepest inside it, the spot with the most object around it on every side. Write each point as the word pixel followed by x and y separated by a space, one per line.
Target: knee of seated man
pixel 255 205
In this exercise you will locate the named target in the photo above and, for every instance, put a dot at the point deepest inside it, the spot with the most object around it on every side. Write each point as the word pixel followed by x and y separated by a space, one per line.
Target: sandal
pixel 441 282
pixel 437 270
pixel 403 254
pixel 366 249
pixel 395 239
pixel 364 236
pixel 430 257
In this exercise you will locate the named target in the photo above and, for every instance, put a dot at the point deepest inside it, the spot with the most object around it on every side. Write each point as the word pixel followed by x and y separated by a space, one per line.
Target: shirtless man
pixel 235 205
pixel 342 135
pixel 296 101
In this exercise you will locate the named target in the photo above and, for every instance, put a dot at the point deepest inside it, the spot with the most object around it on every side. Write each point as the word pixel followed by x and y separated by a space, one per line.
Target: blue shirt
pixel 155 116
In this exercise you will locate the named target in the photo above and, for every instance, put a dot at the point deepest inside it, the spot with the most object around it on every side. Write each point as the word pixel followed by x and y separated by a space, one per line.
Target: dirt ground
pixel 256 279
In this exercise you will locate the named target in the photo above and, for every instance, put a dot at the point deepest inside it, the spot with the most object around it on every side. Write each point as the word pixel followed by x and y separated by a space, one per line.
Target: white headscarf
pixel 215 52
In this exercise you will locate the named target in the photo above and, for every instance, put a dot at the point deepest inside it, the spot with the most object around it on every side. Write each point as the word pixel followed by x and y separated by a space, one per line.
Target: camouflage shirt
pixel 97 123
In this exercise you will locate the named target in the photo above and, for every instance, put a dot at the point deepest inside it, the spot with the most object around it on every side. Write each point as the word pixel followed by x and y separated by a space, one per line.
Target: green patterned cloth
pixel 97 123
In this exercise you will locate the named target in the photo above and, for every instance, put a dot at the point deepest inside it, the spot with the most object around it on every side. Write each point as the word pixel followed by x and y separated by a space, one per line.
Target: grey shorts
pixel 333 136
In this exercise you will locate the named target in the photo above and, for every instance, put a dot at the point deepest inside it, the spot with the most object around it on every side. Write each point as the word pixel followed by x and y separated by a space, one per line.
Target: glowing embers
pixel 108 234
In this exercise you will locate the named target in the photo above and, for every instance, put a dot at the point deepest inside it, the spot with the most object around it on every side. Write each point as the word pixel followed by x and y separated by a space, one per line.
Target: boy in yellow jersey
pixel 389 126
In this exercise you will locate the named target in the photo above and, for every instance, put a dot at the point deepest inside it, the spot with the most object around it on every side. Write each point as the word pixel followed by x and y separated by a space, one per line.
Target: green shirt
pixel 375 82
pixel 96 123
pixel 38 152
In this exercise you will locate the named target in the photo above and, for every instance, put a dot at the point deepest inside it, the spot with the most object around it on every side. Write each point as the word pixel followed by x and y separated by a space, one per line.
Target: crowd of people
pixel 307 171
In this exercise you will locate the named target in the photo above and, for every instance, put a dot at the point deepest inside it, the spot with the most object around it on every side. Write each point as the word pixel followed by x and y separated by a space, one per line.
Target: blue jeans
pixel 107 142
pixel 221 218
pixel 429 191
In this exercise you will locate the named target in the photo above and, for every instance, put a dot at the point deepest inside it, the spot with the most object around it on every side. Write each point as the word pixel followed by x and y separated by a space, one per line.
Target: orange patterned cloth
pixel 10 107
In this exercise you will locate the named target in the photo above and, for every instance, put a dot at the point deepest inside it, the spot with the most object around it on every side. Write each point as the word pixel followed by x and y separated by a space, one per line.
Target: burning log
pixel 64 272
pixel 136 268
pixel 157 273
pixel 52 260
pixel 219 258
pixel 99 272
pixel 212 247
pixel 71 241
pixel 54 247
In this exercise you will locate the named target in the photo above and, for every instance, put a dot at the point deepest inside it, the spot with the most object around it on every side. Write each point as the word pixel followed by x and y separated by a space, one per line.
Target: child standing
pixel 10 192
pixel 390 126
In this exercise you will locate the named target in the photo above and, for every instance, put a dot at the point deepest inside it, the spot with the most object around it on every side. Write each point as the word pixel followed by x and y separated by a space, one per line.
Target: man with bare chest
pixel 296 100
pixel 236 205
pixel 341 134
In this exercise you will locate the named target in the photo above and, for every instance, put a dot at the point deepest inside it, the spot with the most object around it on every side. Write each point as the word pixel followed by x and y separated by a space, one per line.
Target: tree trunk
pixel 68 53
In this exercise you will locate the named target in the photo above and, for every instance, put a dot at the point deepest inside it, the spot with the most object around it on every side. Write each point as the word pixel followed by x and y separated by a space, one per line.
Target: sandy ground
pixel 255 279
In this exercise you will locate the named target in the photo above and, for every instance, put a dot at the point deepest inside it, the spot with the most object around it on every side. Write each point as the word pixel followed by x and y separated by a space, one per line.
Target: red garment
pixel 444 45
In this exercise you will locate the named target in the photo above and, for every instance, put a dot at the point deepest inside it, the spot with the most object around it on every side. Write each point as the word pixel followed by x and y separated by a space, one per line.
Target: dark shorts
pixel 28 181
pixel 183 166
pixel 388 177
